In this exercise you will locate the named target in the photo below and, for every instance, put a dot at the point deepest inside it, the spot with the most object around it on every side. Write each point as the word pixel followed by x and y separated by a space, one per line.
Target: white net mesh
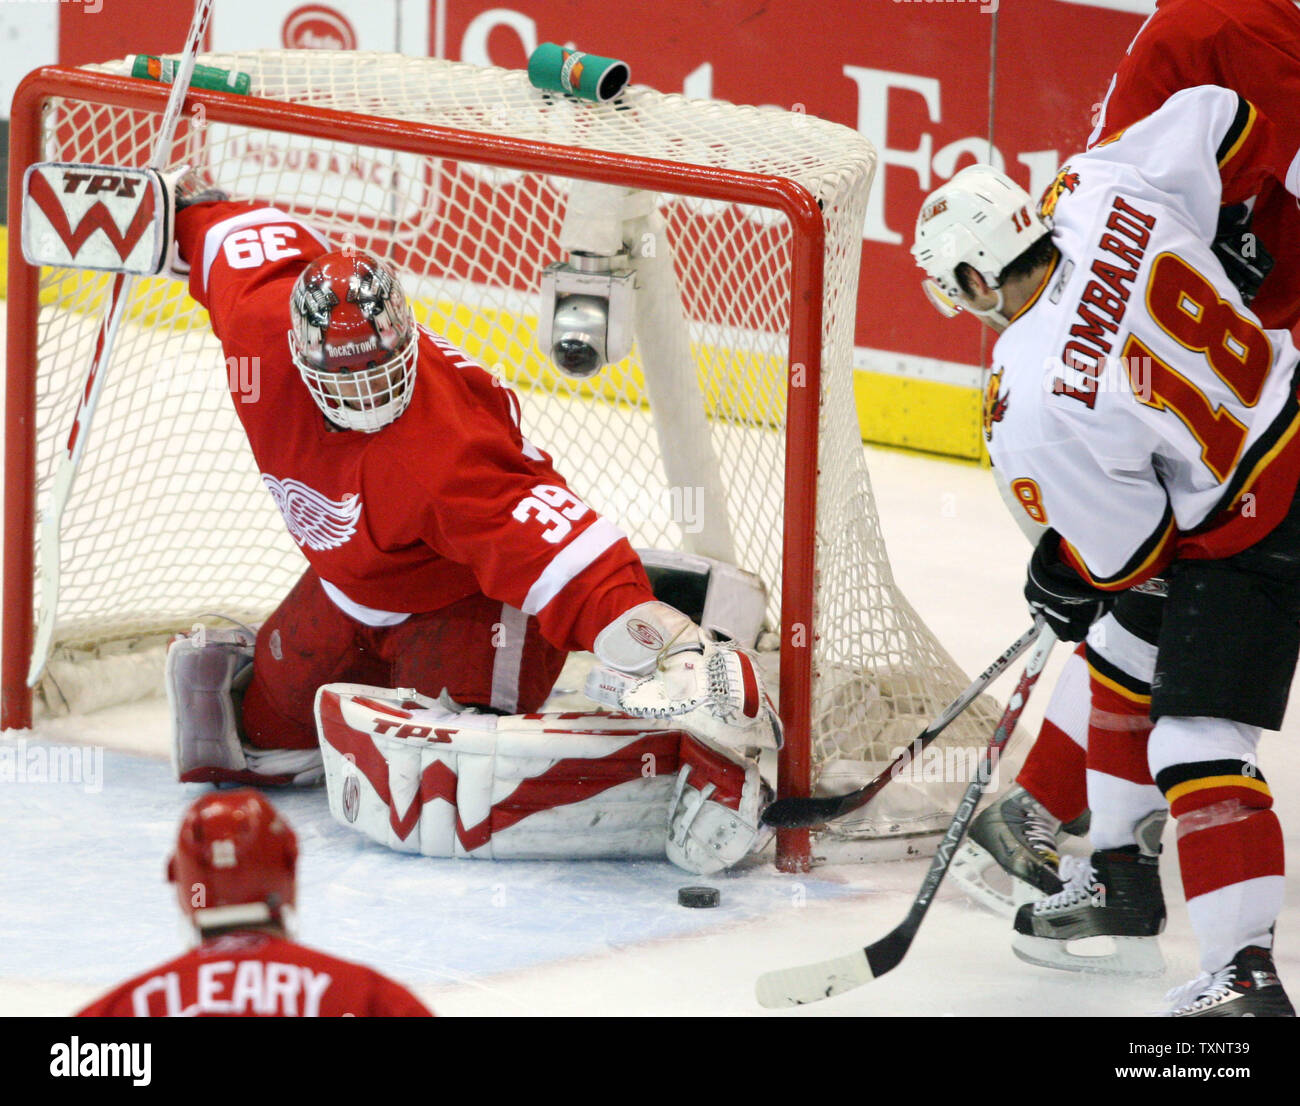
pixel 169 518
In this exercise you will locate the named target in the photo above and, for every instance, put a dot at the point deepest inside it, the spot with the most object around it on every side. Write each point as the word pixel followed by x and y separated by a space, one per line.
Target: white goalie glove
pixel 657 663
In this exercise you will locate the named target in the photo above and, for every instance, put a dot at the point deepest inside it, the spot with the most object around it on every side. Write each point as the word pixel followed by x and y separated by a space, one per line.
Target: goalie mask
pixel 980 218
pixel 353 339
pixel 234 862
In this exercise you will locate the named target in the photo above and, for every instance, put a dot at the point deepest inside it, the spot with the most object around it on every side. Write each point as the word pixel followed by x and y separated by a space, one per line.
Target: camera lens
pixel 576 357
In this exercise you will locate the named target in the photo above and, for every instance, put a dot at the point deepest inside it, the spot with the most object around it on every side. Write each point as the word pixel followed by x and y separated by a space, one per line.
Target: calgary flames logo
pixel 995 404
pixel 1065 181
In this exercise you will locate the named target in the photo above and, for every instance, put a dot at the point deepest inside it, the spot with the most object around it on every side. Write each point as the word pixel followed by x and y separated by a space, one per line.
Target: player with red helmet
pixel 234 869
pixel 446 554
pixel 353 339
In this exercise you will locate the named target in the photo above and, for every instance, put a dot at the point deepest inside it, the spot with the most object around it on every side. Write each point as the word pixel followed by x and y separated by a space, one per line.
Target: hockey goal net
pixel 463 178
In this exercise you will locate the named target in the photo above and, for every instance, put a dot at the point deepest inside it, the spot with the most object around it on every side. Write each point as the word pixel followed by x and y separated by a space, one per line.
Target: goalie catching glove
pixel 656 663
pixel 207 674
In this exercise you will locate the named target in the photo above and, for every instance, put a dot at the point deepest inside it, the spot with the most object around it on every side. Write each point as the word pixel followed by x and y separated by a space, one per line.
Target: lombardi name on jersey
pixel 313 519
pixel 1105 299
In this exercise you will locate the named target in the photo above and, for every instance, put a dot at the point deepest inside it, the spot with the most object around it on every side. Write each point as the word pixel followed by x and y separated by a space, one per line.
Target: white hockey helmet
pixel 981 218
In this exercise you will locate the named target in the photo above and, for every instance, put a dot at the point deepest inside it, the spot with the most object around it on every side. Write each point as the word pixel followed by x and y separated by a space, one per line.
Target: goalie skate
pixel 1104 920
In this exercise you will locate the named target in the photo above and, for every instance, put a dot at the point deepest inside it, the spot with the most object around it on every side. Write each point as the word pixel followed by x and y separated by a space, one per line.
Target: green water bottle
pixel 558 69
pixel 205 76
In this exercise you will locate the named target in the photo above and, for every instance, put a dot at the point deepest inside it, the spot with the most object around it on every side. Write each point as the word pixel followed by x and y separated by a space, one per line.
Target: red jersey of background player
pixel 248 974
pixel 448 500
pixel 1254 49
pixel 235 869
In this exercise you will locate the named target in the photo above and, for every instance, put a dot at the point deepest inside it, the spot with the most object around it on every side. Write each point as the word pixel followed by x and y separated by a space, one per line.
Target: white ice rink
pixel 83 903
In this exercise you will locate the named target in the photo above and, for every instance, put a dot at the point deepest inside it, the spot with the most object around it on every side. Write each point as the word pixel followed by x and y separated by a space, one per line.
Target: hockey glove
pixel 657 663
pixel 189 188
pixel 1242 255
pixel 1053 589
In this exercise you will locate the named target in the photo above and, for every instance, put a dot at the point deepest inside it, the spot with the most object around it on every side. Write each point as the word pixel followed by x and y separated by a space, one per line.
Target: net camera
pixel 587 312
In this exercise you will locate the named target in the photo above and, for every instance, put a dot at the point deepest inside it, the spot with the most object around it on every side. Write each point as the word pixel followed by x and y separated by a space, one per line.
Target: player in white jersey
pixel 1139 412
pixel 1253 48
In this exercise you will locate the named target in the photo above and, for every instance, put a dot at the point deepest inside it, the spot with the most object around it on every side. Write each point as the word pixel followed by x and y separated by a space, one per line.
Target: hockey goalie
pixel 451 570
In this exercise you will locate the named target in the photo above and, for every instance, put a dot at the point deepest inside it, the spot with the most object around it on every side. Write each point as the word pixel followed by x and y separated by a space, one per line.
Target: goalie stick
pixel 814 982
pixel 799 813
pixel 61 490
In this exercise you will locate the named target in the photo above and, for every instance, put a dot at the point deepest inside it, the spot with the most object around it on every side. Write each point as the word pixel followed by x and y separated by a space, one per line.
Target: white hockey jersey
pixel 1134 404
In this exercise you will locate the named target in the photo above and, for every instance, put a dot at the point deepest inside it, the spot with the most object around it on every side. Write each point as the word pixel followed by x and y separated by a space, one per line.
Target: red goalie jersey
pixel 447 501
pixel 253 974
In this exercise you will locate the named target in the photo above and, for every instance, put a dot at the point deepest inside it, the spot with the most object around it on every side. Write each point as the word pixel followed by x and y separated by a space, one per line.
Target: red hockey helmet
pixel 234 861
pixel 353 339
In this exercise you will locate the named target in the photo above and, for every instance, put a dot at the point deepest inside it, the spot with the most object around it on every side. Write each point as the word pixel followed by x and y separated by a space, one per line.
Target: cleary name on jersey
pixel 1135 405
pixel 247 975
pixel 447 501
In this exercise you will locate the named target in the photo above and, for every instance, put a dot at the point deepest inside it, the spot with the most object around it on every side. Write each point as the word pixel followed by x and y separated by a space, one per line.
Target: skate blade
pixel 1126 956
pixel 987 883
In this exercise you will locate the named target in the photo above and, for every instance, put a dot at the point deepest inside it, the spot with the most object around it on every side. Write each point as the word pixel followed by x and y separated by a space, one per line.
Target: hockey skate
pixel 1010 856
pixel 1247 988
pixel 1114 897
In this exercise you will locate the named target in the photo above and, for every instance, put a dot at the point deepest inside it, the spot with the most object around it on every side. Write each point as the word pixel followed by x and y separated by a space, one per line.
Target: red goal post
pixel 314 108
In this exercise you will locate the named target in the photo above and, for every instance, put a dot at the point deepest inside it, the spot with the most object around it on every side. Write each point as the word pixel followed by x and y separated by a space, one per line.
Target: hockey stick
pixel 813 982
pixel 52 516
pixel 799 813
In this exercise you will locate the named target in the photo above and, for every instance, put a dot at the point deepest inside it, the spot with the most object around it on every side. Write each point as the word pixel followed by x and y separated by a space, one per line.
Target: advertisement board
pixel 934 85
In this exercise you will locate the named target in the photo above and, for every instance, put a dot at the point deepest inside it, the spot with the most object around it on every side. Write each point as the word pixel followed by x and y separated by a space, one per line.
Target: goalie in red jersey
pixel 235 874
pixel 446 556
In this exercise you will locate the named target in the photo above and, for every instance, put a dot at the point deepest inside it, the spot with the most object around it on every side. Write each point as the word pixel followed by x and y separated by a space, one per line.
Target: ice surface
pixel 84 903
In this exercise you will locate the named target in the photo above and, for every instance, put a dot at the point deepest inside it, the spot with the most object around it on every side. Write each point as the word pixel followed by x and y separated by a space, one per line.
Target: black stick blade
pixel 802 813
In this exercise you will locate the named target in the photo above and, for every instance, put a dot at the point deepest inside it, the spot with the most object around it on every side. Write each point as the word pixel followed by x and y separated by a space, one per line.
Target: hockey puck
pixel 698 896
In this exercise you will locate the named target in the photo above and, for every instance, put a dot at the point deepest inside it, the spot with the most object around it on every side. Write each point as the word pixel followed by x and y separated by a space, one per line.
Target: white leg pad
pixel 204 670
pixel 417 777
pixel 714 821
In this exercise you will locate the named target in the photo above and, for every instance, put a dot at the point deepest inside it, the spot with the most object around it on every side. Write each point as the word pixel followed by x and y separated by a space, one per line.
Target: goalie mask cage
pixel 729 431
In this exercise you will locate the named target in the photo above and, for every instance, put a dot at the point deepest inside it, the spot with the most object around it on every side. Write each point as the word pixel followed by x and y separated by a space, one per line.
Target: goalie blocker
pixel 417 776
pixel 107 218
